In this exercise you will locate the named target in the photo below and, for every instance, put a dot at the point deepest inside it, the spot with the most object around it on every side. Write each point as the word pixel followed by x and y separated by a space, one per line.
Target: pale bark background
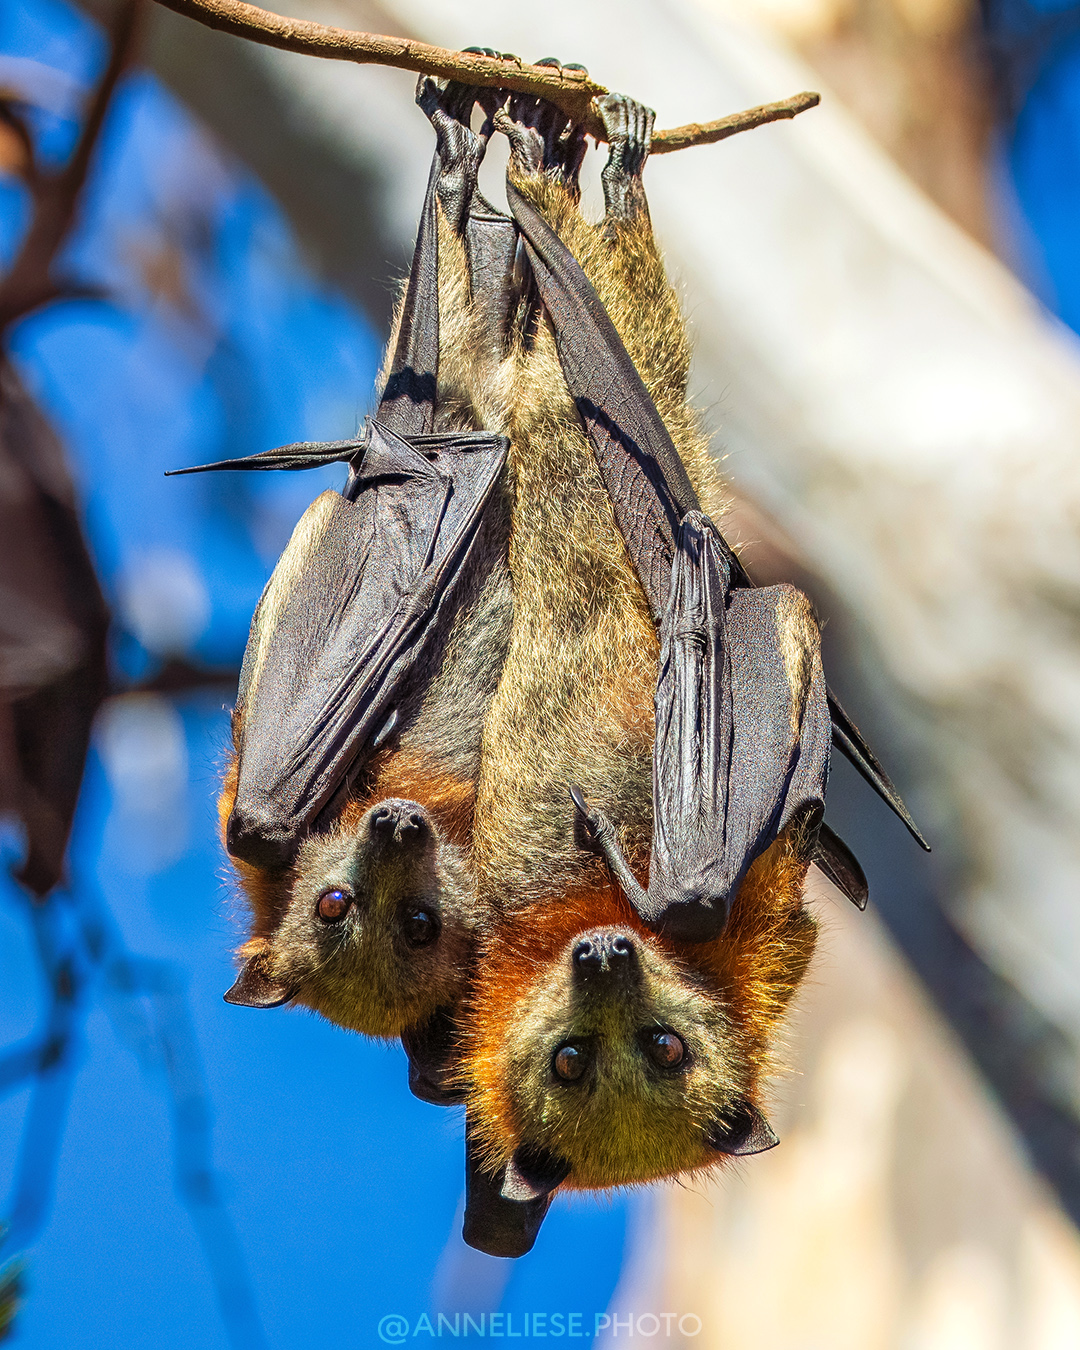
pixel 901 421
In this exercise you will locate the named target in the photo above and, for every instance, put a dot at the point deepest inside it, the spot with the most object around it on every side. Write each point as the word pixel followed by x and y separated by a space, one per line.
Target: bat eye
pixel 570 1062
pixel 421 928
pixel 666 1050
pixel 333 905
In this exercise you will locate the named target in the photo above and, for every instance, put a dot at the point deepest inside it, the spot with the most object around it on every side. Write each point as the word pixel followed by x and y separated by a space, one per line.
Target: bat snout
pixel 604 958
pixel 399 822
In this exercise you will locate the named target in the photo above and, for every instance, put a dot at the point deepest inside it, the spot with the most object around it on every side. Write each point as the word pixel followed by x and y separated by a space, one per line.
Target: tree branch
pixel 571 90
pixel 29 282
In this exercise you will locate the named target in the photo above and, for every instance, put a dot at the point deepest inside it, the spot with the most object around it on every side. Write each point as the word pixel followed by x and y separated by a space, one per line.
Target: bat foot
pixel 448 106
pixel 542 138
pixel 628 126
pixel 489 97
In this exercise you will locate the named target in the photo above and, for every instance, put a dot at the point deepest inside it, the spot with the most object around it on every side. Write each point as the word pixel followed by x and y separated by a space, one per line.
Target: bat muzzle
pixel 399 823
pixel 605 959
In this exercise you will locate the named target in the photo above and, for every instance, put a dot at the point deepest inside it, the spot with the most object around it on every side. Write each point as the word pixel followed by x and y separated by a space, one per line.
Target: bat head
pixel 376 928
pixel 617 1056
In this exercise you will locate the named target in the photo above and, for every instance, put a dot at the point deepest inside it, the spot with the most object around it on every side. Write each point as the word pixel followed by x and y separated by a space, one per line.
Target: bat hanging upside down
pixel 526 770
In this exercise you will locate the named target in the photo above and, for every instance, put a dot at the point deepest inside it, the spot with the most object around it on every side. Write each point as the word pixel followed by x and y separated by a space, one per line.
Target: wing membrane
pixel 360 609
pixel 742 734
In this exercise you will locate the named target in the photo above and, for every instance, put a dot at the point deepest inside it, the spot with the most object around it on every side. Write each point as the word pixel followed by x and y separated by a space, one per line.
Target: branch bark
pixel 571 90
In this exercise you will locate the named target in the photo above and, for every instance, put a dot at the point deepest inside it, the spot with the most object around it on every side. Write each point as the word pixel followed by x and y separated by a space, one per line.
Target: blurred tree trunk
pixel 897 1213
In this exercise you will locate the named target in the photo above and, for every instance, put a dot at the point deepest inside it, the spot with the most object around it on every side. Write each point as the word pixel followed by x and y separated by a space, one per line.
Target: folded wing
pixel 361 592
pixel 364 590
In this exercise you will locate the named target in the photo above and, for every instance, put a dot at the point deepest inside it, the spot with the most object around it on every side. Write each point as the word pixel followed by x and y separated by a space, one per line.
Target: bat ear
pixel 744 1130
pixel 255 987
pixel 533 1173
pixel 432 1050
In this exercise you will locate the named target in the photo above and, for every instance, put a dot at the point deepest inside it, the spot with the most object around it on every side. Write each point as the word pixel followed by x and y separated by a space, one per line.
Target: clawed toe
pixel 554 61
pixel 628 126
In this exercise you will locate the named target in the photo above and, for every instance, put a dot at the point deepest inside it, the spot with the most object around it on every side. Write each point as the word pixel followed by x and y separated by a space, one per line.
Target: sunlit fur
pixel 575 704
pixel 433 759
pixel 624 1122
pixel 575 700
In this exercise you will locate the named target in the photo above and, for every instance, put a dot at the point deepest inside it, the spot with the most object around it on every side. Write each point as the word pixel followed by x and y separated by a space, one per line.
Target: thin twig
pixel 705 133
pixel 571 90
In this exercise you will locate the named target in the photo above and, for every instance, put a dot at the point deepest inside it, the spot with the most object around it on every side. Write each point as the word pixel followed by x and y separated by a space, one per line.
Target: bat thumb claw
pixel 578 798
pixel 591 827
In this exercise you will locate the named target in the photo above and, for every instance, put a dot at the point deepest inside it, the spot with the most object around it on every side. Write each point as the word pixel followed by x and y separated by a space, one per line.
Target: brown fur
pixel 574 703
pixel 731 994
pixel 567 678
pixel 363 972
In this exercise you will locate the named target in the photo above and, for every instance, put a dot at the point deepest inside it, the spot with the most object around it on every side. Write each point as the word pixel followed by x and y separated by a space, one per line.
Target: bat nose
pixel 403 822
pixel 587 959
pixel 621 951
pixel 604 956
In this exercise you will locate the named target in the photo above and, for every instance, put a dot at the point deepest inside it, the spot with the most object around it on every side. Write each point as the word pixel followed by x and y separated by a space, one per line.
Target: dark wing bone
pixel 849 741
pixel 408 401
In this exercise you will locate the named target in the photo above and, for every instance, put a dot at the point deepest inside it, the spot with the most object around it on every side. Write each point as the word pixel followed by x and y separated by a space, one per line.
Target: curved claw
pixel 602 838
pixel 542 138
pixel 489 97
pixel 598 828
